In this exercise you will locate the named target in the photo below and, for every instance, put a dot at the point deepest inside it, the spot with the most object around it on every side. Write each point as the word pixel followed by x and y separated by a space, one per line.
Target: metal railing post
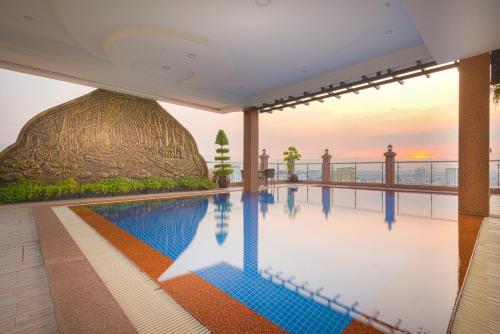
pixel 355 172
pixel 383 173
pixel 431 173
pixel 397 172
pixel 498 174
pixel 307 171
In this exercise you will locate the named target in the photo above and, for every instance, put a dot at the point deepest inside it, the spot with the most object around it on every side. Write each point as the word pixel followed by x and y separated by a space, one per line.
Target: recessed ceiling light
pixel 28 18
pixel 262 3
pixel 165 67
pixel 191 55
pixel 388 32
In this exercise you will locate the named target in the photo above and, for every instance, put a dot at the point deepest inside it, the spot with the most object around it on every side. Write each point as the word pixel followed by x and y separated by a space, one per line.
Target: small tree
pixel 222 168
pixel 290 156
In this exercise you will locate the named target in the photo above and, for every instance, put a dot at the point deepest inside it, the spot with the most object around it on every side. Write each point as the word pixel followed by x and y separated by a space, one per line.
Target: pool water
pixel 312 259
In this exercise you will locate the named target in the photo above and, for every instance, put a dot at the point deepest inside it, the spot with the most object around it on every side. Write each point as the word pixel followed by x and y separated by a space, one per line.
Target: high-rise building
pixel 451 177
pixel 344 174
pixel 421 175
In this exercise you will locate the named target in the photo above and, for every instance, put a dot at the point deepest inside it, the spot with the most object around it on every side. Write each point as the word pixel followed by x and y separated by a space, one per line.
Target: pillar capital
pixel 326 156
pixel 390 153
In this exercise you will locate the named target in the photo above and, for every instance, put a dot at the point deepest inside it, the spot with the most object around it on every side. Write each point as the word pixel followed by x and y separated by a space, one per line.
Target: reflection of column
pixel 389 165
pixel 250 233
pixel 390 208
pixel 325 200
pixel 468 229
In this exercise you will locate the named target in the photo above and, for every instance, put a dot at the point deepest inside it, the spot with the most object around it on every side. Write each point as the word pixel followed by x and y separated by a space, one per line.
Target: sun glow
pixel 421 155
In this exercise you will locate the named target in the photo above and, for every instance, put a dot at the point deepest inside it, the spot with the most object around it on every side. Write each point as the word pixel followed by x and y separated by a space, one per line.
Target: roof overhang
pixel 236 54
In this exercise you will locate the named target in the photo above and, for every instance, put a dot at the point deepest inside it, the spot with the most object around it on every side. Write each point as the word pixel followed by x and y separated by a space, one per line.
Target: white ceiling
pixel 223 55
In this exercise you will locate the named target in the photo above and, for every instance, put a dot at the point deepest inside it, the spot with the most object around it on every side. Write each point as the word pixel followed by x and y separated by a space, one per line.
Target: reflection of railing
pixel 332 303
pixel 432 173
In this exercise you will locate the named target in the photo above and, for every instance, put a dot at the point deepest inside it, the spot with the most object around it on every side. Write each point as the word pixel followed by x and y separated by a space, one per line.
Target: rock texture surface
pixel 101 135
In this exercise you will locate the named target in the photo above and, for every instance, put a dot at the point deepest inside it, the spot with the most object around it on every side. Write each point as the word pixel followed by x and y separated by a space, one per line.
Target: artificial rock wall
pixel 100 135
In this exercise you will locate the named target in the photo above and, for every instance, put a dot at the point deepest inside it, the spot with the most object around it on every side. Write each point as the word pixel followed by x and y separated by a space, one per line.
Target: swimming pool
pixel 308 259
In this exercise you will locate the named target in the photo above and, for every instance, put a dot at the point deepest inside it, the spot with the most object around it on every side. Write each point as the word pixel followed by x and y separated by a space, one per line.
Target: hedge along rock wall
pixel 102 135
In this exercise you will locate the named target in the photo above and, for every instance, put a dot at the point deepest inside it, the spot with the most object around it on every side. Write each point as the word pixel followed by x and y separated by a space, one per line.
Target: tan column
pixel 325 167
pixel 250 150
pixel 474 135
pixel 390 157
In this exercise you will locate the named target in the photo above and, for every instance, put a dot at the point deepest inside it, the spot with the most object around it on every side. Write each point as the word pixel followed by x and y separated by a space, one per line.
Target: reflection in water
pixel 290 206
pixel 303 274
pixel 266 198
pixel 150 222
pixel 390 201
pixel 326 200
pixel 222 209
pixel 250 233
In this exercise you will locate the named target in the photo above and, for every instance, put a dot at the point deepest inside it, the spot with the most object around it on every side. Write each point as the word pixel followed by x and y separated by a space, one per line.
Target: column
pixel 264 160
pixel 474 135
pixel 390 157
pixel 250 150
pixel 325 168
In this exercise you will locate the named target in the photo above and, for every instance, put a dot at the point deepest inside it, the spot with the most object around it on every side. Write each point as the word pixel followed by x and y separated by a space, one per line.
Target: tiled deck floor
pixel 26 305
pixel 25 302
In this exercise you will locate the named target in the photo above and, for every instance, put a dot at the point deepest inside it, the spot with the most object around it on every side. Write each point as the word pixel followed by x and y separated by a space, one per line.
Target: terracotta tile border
pixel 148 259
pixel 82 303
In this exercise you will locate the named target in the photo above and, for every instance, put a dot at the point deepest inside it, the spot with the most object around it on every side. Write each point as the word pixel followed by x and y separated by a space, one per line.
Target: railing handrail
pixel 359 162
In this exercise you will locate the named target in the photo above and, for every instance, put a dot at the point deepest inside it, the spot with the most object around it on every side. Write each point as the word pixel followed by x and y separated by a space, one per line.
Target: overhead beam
pixel 366 82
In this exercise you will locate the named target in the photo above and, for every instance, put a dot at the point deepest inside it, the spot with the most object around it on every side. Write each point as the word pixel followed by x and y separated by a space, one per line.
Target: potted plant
pixel 290 156
pixel 496 93
pixel 222 168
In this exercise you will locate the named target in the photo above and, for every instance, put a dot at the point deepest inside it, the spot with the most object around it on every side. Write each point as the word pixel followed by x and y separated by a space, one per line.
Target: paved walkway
pixel 25 302
pixel 478 310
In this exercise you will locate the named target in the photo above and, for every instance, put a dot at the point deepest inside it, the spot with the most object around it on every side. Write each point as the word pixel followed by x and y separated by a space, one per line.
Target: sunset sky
pixel 419 118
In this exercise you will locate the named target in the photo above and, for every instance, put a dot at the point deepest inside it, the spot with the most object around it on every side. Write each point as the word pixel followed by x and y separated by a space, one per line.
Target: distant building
pixel 421 175
pixel 451 177
pixel 344 174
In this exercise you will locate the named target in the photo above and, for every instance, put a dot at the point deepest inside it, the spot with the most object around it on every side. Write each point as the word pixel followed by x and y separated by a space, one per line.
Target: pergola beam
pixel 365 82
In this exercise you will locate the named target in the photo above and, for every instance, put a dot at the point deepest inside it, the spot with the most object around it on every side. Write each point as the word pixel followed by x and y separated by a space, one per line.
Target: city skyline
pixel 419 118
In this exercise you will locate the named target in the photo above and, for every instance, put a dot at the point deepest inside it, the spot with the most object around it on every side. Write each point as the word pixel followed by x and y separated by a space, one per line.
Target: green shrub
pixel 25 190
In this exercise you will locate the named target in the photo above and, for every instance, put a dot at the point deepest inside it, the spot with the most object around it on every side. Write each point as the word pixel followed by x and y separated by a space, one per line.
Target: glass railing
pixel 432 173
pixel 236 166
pixel 359 172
